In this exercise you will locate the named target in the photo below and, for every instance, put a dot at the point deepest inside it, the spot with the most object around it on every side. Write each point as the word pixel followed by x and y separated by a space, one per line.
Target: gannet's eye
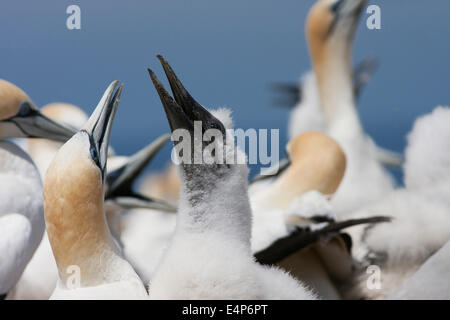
pixel 335 6
pixel 25 110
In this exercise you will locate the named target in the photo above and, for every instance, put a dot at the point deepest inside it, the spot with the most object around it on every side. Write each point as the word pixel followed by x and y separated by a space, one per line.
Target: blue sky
pixel 227 52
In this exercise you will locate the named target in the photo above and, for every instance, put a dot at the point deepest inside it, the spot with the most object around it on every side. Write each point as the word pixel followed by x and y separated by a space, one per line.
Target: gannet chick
pixel 421 210
pixel 330 29
pixel 74 215
pixel 210 255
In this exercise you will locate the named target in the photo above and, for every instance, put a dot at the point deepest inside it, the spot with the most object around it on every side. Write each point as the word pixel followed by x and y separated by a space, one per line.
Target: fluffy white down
pixel 421 210
pixel 428 152
pixel 219 269
pixel 420 226
pixel 209 256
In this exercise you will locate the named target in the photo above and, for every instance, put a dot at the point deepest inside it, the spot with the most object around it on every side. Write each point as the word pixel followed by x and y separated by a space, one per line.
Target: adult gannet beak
pixel 138 201
pixel 345 9
pixel 99 125
pixel 29 122
pixel 120 181
pixel 184 110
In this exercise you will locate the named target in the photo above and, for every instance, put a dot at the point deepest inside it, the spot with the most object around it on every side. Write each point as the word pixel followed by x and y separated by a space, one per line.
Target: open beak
pixel 99 125
pixel 184 110
pixel 120 180
pixel 176 116
pixel 34 124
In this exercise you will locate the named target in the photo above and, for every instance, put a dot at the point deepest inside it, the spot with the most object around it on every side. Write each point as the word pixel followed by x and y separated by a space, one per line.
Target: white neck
pixel 220 206
pixel 335 83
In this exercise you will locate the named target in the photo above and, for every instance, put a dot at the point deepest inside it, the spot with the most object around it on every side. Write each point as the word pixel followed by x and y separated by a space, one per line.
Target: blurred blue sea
pixel 227 52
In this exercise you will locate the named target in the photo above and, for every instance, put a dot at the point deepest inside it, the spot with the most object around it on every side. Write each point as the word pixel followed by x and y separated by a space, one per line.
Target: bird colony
pixel 329 224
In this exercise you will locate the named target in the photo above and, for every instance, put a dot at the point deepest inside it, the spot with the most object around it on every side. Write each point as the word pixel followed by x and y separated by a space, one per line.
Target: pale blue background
pixel 227 52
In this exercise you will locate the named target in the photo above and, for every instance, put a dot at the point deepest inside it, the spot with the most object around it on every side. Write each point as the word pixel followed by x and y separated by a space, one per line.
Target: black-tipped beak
pixel 176 116
pixel 31 123
pixel 99 125
pixel 120 180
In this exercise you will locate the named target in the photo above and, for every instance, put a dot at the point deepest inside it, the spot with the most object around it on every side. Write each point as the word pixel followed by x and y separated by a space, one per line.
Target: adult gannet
pixel 21 207
pixel 421 210
pixel 330 29
pixel 20 118
pixel 74 214
pixel 210 255
pixel 307 114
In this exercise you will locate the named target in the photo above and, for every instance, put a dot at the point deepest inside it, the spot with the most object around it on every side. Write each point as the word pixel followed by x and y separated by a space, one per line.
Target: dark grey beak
pixel 175 114
pixel 99 125
pixel 31 123
pixel 184 101
pixel 120 181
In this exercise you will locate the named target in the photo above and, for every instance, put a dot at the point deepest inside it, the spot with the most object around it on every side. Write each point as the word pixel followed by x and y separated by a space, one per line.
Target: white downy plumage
pixel 90 265
pixel 421 210
pixel 210 255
